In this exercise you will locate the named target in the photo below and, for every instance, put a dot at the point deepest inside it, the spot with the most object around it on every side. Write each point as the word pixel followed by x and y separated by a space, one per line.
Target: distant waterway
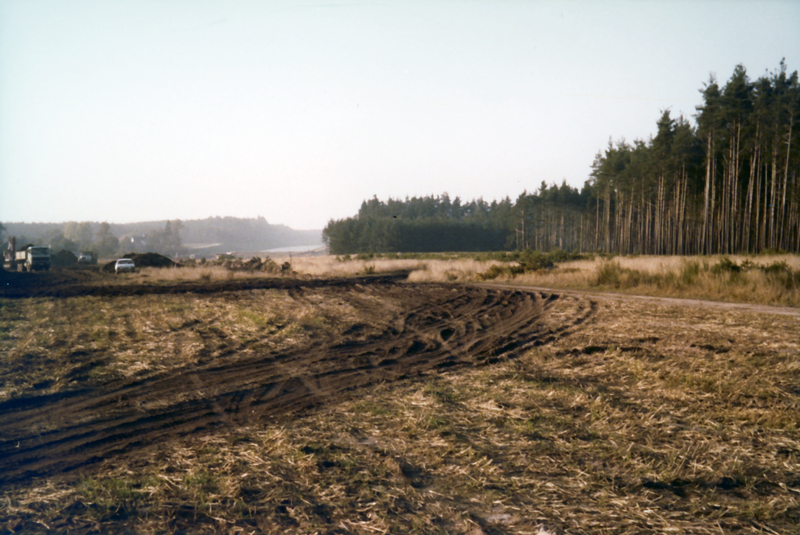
pixel 297 249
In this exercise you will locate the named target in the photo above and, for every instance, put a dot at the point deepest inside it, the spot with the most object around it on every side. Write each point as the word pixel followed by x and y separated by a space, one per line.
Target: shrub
pixel 690 270
pixel 535 260
pixel 559 255
pixel 608 274
pixel 776 268
pixel 781 273
pixel 611 273
pixel 726 265
pixel 495 271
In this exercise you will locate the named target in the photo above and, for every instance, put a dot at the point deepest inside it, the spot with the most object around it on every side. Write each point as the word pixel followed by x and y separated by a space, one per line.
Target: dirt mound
pixel 63 258
pixel 143 260
pixel 151 260
pixel 48 283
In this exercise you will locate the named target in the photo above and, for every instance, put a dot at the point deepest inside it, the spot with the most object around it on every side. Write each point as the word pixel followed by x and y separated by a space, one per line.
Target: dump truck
pixel 32 258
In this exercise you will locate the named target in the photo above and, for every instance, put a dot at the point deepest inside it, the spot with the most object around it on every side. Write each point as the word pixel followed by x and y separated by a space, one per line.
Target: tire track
pixel 440 327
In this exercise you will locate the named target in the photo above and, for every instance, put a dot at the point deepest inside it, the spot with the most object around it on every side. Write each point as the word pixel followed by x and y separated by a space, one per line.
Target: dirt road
pixel 438 327
pixel 581 294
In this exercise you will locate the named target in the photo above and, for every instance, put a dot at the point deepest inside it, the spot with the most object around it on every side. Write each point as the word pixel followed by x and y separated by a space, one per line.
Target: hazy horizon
pixel 144 111
pixel 150 221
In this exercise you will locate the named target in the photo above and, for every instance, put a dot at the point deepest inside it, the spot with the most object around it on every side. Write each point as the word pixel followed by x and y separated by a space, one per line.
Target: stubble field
pixel 374 405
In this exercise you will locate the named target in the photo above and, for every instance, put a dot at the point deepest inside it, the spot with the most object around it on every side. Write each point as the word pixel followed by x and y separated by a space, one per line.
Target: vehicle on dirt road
pixel 124 265
pixel 33 258
pixel 87 258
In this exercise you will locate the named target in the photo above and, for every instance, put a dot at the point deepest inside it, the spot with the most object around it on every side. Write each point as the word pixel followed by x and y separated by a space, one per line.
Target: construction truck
pixel 29 258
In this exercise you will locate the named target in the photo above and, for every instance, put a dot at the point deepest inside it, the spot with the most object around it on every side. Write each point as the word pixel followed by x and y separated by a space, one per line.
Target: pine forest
pixel 726 183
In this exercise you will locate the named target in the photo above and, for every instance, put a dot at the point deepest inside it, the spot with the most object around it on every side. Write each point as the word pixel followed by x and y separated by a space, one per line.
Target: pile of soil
pixel 48 283
pixel 143 260
pixel 63 258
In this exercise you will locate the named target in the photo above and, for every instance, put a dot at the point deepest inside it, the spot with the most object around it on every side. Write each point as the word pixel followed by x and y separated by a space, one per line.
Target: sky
pixel 297 111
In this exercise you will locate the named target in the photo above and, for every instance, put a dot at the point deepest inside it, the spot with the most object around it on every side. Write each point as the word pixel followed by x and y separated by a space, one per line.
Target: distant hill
pixel 237 234
pixel 204 236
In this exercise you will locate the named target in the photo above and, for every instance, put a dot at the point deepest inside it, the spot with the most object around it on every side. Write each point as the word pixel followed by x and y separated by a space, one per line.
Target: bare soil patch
pixel 439 327
pixel 370 405
pixel 91 282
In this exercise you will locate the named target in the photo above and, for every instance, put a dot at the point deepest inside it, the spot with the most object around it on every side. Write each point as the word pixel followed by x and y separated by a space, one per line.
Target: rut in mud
pixel 440 327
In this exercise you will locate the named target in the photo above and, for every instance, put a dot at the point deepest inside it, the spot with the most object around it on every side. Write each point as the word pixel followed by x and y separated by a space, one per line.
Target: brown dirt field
pixel 92 282
pixel 439 327
pixel 394 407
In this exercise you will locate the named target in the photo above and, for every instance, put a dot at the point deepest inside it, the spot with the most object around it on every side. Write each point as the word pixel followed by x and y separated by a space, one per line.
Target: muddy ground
pixel 438 327
pixel 93 282
pixel 526 409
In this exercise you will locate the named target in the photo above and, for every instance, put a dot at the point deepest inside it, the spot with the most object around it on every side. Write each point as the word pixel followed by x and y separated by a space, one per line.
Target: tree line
pixel 727 184
pixel 421 224
pixel 202 236
pixel 96 237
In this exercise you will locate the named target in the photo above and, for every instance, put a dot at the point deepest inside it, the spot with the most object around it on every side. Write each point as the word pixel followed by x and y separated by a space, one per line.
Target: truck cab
pixel 33 258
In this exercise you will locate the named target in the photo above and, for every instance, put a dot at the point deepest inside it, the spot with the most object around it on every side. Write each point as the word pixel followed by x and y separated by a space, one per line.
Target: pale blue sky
pixel 297 111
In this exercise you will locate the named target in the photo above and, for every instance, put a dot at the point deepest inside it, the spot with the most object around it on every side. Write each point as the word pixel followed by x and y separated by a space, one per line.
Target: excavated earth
pixel 83 282
pixel 438 326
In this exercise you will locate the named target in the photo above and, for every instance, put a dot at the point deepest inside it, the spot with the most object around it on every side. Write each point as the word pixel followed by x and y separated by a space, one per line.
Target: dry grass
pixel 462 269
pixel 687 277
pixel 665 276
pixel 330 266
pixel 660 264
pixel 50 345
pixel 200 273
pixel 428 269
pixel 652 419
